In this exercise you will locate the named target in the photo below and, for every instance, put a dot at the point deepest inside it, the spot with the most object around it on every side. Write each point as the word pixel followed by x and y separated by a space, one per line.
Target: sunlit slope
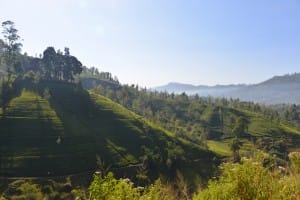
pixel 261 131
pixel 221 120
pixel 59 128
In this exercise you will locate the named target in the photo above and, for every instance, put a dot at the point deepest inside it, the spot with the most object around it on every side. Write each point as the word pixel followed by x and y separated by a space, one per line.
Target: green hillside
pixel 55 128
pixel 212 122
pixel 272 136
pixel 218 124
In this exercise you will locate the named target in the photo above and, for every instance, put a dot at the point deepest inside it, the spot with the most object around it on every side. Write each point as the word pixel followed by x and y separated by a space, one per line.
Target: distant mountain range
pixel 277 90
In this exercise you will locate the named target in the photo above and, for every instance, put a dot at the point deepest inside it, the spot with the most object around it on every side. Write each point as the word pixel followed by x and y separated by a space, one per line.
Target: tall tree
pixel 72 66
pixel 76 66
pixel 12 47
pixel 240 127
pixel 49 61
pixel 59 65
pixel 1 50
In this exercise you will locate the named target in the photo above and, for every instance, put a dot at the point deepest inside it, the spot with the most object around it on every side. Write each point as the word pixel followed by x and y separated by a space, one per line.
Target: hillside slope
pixel 58 128
pixel 275 137
pixel 215 124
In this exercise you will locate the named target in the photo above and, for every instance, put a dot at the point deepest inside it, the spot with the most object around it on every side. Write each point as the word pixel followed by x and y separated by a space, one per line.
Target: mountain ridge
pixel 282 88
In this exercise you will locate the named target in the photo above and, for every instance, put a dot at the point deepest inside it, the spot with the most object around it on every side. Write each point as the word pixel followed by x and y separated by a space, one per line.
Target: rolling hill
pixel 212 123
pixel 277 90
pixel 56 128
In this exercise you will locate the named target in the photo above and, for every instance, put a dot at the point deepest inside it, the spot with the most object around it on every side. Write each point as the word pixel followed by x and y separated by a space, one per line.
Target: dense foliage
pixel 53 64
pixel 252 179
pixel 249 180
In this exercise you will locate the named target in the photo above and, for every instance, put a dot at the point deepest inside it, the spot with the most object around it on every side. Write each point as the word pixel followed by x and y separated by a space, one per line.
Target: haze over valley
pixel 277 90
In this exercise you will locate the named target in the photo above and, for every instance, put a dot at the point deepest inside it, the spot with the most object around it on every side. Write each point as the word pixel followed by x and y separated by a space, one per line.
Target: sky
pixel 153 42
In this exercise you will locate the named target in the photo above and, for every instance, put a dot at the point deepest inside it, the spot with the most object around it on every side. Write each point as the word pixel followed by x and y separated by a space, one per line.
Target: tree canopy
pixel 11 47
pixel 60 66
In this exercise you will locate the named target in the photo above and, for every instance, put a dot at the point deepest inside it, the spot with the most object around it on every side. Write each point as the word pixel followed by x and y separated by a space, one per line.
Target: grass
pixel 221 148
pixel 290 129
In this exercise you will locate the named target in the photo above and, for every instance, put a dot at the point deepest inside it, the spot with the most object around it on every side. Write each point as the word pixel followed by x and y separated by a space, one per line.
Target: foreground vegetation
pixel 251 179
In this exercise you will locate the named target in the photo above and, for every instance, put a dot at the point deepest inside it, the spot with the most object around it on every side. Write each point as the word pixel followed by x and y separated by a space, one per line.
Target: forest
pixel 73 132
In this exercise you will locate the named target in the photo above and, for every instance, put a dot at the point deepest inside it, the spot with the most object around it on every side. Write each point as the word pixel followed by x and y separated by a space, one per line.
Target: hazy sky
pixel 153 42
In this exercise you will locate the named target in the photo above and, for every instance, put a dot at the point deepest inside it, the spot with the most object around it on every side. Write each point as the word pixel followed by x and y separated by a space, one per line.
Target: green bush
pixel 295 161
pixel 109 188
pixel 158 191
pixel 28 191
pixel 251 180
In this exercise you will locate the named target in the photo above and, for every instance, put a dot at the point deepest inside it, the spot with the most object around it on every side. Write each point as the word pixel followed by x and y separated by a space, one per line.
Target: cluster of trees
pixel 15 66
pixel 53 65
pixel 93 72
pixel 288 112
pixel 60 66
pixel 282 112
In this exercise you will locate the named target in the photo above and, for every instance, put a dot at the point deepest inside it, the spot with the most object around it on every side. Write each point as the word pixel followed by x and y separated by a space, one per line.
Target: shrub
pixel 109 188
pixel 251 180
pixel 295 161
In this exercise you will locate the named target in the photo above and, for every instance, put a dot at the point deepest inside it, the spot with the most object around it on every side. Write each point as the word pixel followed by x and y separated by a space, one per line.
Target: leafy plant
pixel 251 180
